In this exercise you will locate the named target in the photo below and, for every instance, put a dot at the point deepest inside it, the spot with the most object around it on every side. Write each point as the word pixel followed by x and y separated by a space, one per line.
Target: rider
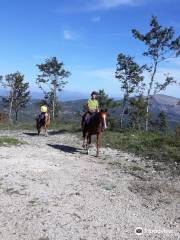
pixel 44 110
pixel 92 107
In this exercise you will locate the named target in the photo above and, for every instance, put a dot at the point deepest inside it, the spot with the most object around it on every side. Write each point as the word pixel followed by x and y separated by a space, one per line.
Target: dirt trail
pixel 51 190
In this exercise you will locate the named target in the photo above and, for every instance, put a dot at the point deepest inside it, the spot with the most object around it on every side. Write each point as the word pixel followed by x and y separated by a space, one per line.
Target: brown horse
pixel 45 122
pixel 96 126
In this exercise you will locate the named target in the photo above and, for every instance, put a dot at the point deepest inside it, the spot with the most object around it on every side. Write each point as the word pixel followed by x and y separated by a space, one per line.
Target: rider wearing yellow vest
pixel 92 106
pixel 44 110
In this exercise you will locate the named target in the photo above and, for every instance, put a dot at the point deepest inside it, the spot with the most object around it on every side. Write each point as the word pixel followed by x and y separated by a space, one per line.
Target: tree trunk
pixel 123 110
pixel 53 109
pixel 122 115
pixel 147 114
pixel 16 115
pixel 54 101
pixel 10 107
pixel 148 96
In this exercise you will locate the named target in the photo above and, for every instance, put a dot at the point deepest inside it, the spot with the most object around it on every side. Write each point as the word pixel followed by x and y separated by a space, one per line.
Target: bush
pixel 3 117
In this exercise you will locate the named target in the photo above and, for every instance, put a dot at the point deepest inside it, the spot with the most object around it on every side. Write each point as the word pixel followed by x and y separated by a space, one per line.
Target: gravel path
pixel 51 190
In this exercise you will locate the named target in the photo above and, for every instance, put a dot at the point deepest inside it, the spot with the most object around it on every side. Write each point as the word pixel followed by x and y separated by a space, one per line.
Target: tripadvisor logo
pixel 139 231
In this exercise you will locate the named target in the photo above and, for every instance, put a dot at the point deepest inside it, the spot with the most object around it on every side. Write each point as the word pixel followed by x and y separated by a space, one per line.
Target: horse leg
pixel 84 139
pixel 45 128
pixel 88 142
pixel 97 144
pixel 38 128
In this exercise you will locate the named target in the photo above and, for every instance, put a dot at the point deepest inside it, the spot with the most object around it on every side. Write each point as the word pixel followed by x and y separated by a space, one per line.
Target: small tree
pixel 161 45
pixel 105 102
pixel 137 112
pixel 52 78
pixel 19 93
pixel 129 73
pixel 49 97
pixel 162 121
pixel 8 83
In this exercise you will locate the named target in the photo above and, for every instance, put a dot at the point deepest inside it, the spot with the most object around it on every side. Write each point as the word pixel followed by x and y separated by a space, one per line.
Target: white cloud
pixel 69 35
pixel 114 3
pixel 108 4
pixel 95 5
pixel 96 19
pixel 175 62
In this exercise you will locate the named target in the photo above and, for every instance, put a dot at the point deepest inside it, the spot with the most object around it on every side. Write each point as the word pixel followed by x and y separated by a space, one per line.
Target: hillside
pixel 170 105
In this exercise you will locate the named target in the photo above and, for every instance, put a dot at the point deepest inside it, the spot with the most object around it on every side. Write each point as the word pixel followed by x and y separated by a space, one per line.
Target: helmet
pixel 94 93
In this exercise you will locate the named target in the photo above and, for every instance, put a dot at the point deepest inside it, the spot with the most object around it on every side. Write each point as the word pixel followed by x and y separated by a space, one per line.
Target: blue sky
pixel 86 35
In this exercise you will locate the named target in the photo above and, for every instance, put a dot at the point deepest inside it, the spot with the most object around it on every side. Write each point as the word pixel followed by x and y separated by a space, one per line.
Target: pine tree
pixel 105 102
pixel 137 110
pixel 162 121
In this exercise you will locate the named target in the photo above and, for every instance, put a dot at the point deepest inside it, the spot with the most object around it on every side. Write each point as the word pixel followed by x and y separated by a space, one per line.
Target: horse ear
pixel 105 110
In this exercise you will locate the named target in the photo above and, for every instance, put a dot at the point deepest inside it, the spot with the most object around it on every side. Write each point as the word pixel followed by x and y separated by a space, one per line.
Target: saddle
pixel 88 118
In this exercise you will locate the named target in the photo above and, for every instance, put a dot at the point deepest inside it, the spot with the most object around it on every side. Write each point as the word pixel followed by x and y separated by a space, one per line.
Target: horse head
pixel 103 115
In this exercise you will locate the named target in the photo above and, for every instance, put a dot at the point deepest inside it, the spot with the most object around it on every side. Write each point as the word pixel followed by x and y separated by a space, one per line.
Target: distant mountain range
pixel 160 102
pixel 63 96
pixel 170 105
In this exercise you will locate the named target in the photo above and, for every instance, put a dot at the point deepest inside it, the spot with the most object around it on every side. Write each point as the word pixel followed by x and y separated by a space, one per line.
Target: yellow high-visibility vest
pixel 93 105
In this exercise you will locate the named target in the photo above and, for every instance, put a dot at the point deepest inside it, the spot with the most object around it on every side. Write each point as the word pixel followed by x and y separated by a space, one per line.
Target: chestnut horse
pixel 96 126
pixel 43 123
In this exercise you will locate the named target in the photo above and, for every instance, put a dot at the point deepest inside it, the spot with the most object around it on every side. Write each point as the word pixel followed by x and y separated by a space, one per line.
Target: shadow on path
pixel 53 132
pixel 32 134
pixel 66 148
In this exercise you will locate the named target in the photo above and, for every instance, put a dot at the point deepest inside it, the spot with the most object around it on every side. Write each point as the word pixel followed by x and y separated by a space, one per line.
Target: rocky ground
pixel 51 190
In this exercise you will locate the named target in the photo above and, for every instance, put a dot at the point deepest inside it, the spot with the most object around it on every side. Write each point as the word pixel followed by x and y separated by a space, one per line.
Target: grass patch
pixel 148 144
pixel 17 126
pixel 55 125
pixel 9 141
pixel 65 126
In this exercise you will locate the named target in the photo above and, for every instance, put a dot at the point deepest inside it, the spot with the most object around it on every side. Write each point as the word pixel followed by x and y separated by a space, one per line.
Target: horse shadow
pixel 32 134
pixel 65 148
pixel 53 132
